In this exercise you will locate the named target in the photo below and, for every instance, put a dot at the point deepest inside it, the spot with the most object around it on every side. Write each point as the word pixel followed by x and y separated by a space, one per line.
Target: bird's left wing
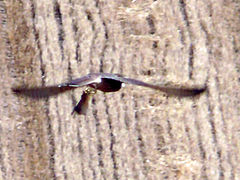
pixel 170 90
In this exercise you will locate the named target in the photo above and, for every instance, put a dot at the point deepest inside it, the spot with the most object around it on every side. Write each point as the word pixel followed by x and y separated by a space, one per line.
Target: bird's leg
pixel 82 106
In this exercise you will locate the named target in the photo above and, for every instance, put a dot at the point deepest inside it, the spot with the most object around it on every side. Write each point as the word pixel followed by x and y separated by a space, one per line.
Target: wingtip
pixel 199 90
pixel 16 90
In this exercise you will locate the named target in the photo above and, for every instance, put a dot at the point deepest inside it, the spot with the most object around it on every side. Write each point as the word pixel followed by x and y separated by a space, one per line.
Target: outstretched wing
pixel 41 92
pixel 170 90
pixel 46 91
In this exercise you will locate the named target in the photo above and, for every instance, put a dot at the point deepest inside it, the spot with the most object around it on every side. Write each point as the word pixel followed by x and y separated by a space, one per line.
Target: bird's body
pixel 107 85
pixel 104 82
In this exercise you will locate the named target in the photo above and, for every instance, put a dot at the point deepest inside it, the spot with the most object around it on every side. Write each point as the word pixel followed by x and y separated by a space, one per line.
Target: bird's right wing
pixel 46 91
pixel 40 92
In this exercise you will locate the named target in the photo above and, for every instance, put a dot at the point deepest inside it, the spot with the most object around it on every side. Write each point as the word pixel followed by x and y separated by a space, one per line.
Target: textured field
pixel 136 133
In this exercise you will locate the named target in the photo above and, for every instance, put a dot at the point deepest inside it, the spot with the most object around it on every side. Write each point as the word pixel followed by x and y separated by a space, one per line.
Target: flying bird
pixel 104 82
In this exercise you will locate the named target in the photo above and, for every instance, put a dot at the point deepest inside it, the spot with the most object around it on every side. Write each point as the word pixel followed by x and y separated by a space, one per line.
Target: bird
pixel 105 82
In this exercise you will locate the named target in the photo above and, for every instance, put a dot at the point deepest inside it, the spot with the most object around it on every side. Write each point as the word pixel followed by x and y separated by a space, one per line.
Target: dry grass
pixel 136 133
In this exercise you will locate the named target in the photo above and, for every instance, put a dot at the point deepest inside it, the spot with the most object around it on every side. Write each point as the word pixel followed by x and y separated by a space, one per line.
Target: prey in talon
pixel 104 82
pixel 82 106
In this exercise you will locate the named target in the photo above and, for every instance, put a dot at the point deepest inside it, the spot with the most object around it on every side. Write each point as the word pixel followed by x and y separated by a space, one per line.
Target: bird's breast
pixel 107 85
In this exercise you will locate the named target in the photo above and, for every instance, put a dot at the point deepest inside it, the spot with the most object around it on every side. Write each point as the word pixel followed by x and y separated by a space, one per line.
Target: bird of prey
pixel 104 82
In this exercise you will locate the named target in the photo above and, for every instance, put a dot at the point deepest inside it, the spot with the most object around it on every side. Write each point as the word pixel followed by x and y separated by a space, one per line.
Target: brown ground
pixel 137 133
